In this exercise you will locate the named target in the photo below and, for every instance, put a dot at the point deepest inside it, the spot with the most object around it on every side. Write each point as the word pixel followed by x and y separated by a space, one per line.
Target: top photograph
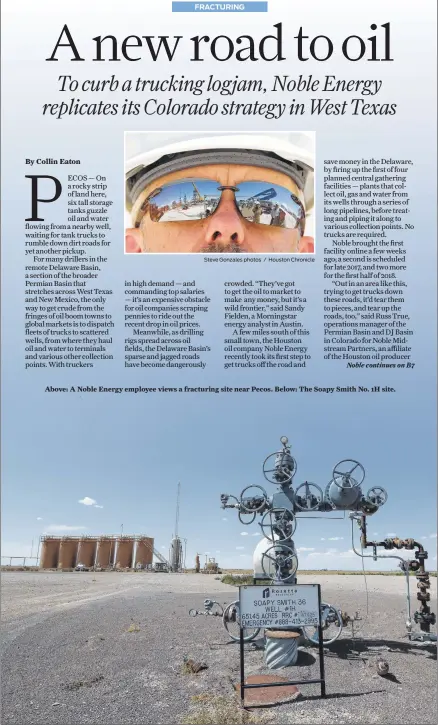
pixel 219 194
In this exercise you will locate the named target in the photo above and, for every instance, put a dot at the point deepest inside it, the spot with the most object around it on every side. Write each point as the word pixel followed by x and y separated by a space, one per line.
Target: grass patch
pixel 5 567
pixel 203 697
pixel 237 579
pixel 242 576
pixel 133 627
pixel 214 710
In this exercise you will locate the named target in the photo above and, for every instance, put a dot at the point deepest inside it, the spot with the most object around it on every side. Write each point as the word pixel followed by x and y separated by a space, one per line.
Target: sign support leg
pixel 242 668
pixel 321 647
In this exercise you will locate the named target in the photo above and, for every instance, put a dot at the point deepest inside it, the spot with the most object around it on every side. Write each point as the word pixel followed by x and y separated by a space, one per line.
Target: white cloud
pixel 424 537
pixel 96 506
pixel 64 527
pixel 17 548
pixel 333 553
pixel 433 536
pixel 347 554
pixel 322 539
pixel 207 552
pixel 335 538
pixel 305 548
pixel 327 552
pixel 391 553
pixel 87 501
pixel 162 547
pixel 240 547
pixel 218 551
pixel 375 533
pixel 257 533
pixel 39 518
pixel 244 533
pixel 244 555
pixel 224 519
pixel 391 535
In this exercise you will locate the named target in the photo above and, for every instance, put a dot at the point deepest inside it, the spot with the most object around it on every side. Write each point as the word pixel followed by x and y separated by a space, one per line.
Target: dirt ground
pixel 105 648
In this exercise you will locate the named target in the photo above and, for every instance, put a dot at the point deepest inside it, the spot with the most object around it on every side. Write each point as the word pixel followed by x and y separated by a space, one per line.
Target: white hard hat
pixel 295 160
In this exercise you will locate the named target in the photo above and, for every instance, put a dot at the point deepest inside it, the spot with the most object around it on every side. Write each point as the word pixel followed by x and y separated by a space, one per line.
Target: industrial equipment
pixel 101 553
pixel 275 557
pixel 176 556
pixel 161 567
pixel 211 567
pixel 230 618
pixel 197 196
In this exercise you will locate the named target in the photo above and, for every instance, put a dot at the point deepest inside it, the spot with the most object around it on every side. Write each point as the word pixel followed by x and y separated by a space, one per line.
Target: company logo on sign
pixel 265 593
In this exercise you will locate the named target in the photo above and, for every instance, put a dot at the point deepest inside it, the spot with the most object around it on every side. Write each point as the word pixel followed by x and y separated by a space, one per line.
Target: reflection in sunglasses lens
pixel 185 201
pixel 257 201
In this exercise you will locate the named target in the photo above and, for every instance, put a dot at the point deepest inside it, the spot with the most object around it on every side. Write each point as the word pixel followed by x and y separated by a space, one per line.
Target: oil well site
pixel 109 630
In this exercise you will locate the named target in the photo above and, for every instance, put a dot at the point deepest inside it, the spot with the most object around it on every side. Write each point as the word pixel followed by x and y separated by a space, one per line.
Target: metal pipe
pixel 391 556
pixel 332 518
pixel 185 553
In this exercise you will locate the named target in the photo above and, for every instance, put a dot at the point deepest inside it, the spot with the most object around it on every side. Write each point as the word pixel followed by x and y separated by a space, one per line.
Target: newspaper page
pixel 219 360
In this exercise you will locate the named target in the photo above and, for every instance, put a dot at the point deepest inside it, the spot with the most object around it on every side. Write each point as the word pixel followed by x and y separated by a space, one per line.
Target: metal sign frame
pixel 320 681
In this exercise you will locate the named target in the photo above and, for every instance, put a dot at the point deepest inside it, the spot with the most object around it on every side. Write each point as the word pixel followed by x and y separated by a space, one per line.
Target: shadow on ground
pixel 352 648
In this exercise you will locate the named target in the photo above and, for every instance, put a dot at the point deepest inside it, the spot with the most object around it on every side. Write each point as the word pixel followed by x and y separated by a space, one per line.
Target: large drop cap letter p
pixel 40 200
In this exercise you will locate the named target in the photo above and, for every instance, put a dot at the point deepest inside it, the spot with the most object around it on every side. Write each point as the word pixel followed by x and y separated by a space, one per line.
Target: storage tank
pixel 49 553
pixel 125 549
pixel 87 551
pixel 144 552
pixel 175 554
pixel 68 550
pixel 105 552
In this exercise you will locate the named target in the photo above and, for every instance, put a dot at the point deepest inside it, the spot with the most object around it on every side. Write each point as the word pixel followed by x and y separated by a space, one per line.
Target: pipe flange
pixel 327 498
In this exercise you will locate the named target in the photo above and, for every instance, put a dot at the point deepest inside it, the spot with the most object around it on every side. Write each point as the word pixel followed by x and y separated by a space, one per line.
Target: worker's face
pixel 224 228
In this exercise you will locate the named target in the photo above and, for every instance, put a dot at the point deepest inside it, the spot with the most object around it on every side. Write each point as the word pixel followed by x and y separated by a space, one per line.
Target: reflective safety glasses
pixel 194 199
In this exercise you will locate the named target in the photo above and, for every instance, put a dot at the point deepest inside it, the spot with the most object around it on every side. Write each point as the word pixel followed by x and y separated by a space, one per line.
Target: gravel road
pixel 68 657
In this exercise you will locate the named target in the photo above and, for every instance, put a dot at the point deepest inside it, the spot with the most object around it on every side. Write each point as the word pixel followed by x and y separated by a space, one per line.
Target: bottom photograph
pixel 229 635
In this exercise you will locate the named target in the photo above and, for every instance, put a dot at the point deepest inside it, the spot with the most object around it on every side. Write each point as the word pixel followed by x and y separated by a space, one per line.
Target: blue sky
pixel 103 460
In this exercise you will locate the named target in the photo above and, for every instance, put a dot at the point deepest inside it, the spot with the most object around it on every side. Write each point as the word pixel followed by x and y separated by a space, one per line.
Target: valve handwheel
pixel 278 521
pixel 231 622
pixel 344 470
pixel 283 470
pixel 246 508
pixel 331 625
pixel 244 521
pixel 283 559
pixel 377 495
pixel 313 497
